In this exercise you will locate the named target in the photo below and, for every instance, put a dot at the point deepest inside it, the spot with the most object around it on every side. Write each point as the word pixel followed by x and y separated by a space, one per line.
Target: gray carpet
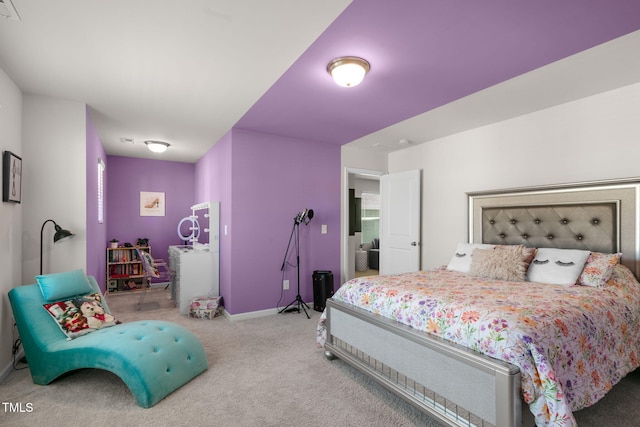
pixel 262 372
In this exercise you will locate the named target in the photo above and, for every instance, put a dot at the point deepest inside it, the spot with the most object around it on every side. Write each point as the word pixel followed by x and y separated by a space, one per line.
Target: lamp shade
pixel 157 146
pixel 61 234
pixel 348 71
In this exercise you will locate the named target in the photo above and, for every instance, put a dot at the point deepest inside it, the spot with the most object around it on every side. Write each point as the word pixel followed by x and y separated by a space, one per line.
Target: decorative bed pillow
pixel 598 269
pixel 461 260
pixel 528 254
pixel 557 266
pixel 502 263
pixel 57 286
pixel 81 315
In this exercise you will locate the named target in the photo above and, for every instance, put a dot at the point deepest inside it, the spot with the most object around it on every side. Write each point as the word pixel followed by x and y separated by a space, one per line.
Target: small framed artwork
pixel 151 203
pixel 11 177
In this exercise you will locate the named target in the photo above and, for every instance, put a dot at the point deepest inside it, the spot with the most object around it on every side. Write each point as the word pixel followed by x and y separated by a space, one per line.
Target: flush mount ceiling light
pixel 348 71
pixel 157 146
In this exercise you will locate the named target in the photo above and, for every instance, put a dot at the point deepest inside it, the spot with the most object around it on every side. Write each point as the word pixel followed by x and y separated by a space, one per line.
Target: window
pixel 370 216
pixel 100 191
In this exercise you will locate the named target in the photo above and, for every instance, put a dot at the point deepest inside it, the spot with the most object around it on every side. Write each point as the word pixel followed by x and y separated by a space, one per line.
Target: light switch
pixel 324 229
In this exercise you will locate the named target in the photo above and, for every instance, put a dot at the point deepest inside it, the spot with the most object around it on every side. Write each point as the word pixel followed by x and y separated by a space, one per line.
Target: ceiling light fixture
pixel 348 71
pixel 157 146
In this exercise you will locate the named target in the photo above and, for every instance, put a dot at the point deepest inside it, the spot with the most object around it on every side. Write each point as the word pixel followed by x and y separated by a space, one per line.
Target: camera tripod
pixel 295 305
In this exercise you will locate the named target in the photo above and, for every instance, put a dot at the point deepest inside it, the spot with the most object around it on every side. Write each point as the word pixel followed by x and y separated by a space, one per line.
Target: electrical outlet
pixel 285 285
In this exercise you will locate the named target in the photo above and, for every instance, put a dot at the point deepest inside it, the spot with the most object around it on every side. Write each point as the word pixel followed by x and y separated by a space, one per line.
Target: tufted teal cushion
pixel 153 358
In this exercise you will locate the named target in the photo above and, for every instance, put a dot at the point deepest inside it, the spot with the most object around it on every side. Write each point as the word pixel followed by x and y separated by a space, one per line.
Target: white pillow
pixel 557 266
pixel 461 259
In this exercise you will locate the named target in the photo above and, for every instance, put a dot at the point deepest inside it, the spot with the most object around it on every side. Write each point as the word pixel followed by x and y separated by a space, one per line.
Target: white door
pixel 400 222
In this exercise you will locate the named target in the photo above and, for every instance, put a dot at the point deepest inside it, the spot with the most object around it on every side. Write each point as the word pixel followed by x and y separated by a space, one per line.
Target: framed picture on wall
pixel 151 203
pixel 11 177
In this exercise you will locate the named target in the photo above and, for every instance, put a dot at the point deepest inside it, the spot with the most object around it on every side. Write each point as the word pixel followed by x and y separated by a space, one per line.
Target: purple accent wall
pixel 96 232
pixel 262 182
pixel 213 183
pixel 127 177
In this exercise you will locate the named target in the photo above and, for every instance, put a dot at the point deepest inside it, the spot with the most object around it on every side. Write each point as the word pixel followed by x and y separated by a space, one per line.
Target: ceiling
pixel 188 72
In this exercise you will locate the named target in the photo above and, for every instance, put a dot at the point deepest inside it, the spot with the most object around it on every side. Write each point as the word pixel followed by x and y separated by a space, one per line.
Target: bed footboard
pixel 450 383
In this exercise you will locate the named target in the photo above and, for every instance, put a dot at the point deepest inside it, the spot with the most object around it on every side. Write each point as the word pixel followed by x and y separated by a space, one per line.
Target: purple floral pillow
pixel 597 271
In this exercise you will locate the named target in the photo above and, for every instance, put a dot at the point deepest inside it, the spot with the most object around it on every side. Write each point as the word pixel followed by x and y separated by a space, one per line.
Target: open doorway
pixel 398 222
pixel 361 223
pixel 368 191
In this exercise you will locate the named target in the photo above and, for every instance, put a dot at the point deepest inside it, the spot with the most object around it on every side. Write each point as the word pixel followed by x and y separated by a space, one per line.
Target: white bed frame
pixel 458 386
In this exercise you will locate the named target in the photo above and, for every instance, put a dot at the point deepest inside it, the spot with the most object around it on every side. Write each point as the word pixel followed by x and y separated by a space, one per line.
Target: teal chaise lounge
pixel 153 358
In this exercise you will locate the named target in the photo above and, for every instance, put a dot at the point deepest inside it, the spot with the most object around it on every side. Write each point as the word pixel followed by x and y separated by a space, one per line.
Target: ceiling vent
pixel 382 146
pixel 8 11
pixel 392 147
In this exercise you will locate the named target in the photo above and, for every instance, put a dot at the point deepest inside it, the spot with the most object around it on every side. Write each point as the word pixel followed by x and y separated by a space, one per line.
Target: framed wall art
pixel 11 177
pixel 151 203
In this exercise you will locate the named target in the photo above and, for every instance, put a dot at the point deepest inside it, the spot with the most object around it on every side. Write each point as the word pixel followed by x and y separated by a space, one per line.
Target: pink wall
pixel 263 181
pixel 127 177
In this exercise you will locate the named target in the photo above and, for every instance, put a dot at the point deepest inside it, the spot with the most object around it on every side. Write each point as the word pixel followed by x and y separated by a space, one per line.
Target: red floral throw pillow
pixel 81 315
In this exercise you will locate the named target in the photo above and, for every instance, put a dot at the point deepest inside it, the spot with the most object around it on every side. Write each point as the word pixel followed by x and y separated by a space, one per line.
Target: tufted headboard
pixel 601 217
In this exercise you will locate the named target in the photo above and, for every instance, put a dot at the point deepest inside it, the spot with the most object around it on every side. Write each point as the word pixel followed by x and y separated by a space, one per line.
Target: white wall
pixel 54 183
pixel 10 218
pixel 591 139
pixel 357 158
pixel 364 186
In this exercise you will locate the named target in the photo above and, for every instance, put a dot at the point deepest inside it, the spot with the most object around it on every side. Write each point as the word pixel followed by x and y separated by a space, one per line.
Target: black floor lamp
pixel 60 236
pixel 302 217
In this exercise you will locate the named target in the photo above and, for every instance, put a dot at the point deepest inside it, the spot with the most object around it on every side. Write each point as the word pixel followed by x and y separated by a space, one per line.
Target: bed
pixel 438 339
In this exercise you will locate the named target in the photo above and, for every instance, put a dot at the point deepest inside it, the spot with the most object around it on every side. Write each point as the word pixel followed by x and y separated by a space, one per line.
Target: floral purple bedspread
pixel 572 344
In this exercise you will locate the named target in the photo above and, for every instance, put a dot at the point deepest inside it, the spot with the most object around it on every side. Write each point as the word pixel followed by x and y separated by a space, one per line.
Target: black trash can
pixel 322 288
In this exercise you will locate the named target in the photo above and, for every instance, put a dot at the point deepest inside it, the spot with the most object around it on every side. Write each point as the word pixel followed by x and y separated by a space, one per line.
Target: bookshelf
pixel 124 268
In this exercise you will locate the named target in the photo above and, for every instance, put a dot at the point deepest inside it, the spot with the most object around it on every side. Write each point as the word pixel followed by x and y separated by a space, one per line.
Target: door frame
pixel 344 215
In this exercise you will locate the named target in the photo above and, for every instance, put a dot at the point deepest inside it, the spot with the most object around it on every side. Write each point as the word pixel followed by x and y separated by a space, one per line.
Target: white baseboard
pixel 255 314
pixel 249 315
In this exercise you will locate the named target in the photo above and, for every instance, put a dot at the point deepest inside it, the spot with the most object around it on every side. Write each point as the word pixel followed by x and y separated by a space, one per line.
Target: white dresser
pixel 197 266
pixel 196 274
